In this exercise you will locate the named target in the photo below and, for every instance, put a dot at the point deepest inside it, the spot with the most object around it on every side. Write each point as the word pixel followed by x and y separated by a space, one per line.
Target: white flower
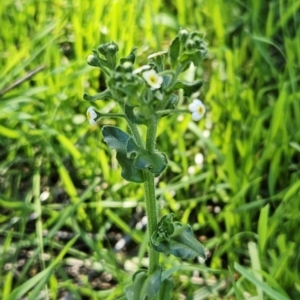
pixel 153 79
pixel 141 69
pixel 157 54
pixel 197 109
pixel 91 115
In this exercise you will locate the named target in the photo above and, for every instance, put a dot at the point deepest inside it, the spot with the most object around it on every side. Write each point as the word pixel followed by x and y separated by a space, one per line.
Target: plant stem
pixel 149 189
pixel 150 198
pixel 151 210
pixel 135 132
pixel 151 135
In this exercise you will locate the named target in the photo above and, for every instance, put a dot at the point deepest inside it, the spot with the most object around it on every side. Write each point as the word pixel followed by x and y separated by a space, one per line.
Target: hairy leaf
pixel 144 286
pixel 100 96
pixel 117 139
pixel 189 88
pixel 177 239
pixel 195 56
pixel 130 57
pixel 166 289
pixel 136 115
pixel 174 51
pixel 152 162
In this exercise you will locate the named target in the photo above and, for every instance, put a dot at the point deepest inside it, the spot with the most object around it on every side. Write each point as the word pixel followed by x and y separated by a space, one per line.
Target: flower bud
pixel 190 45
pixel 112 49
pixel 183 35
pixel 197 41
pixel 118 77
pixel 127 66
pixel 102 49
pixel 93 60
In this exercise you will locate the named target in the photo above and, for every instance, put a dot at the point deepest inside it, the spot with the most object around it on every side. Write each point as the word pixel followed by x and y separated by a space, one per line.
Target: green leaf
pixel 36 283
pixel 144 286
pixel 132 149
pixel 131 157
pixel 117 139
pixel 136 114
pixel 174 51
pixel 157 60
pixel 153 162
pixel 172 101
pixel 129 172
pixel 166 289
pixel 267 289
pixel 195 56
pixel 100 96
pixel 263 228
pixel 189 88
pixel 103 64
pixel 177 239
pixel 130 89
pixel 130 57
pixel 168 77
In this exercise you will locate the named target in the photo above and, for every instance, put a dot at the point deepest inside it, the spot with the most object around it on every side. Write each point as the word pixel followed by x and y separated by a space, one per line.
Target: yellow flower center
pixel 153 79
pixel 200 110
pixel 88 114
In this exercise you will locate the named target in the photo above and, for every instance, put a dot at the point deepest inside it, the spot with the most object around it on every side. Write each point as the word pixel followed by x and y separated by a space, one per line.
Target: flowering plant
pixel 145 95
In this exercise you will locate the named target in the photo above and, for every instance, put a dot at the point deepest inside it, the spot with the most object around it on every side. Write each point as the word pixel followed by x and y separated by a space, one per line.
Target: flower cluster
pixel 151 91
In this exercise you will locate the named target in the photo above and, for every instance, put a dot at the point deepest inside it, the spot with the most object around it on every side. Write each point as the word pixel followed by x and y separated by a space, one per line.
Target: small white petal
pixel 197 109
pixel 196 116
pixel 197 102
pixel 141 69
pixel 192 107
pixel 91 115
pixel 92 122
pixel 157 54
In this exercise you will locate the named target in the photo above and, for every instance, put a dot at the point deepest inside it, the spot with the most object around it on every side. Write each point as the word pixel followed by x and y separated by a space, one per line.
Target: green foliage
pixel 246 188
pixel 174 238
pixel 144 286
pixel 117 140
pixel 133 159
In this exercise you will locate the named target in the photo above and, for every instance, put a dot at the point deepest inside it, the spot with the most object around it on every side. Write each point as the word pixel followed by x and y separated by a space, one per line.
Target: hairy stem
pixel 150 198
pixel 151 209
pixel 149 189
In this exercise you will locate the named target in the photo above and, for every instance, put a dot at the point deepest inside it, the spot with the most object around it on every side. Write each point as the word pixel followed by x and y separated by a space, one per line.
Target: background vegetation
pixel 71 227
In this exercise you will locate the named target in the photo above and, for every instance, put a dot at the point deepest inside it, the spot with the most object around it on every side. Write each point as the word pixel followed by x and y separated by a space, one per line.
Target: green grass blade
pixel 269 291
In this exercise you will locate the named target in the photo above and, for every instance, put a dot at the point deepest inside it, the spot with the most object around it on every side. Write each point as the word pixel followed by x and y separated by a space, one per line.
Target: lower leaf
pixel 144 286
pixel 165 292
pixel 177 239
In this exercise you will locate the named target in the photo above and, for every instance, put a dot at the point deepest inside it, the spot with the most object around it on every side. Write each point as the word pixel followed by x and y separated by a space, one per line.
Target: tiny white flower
pixel 157 54
pixel 153 79
pixel 197 109
pixel 141 69
pixel 91 115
